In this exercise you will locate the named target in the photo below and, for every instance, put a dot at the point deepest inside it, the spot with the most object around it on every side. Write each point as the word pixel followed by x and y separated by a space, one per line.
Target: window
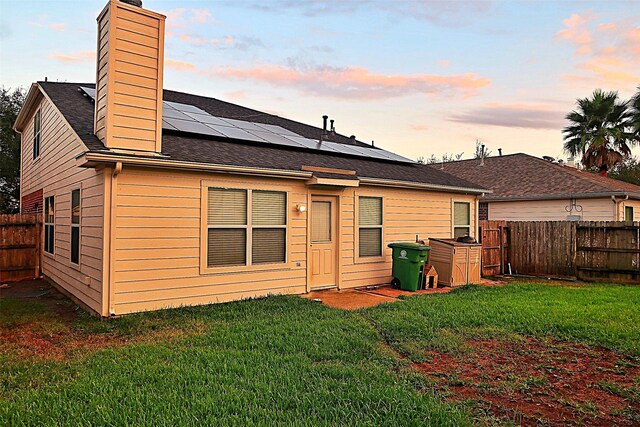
pixel 75 226
pixel 236 234
pixel 628 213
pixel 36 135
pixel 268 227
pixel 461 219
pixel 369 226
pixel 49 219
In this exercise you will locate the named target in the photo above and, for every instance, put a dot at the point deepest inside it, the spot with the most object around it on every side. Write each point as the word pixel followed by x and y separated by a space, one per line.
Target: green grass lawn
pixel 287 360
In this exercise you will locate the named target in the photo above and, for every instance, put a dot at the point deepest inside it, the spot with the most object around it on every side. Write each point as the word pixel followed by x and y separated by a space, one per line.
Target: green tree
pixel 600 131
pixel 628 171
pixel 481 151
pixel 10 103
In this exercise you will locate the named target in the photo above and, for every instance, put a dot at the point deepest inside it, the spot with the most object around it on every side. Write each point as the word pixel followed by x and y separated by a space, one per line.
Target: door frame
pixel 337 216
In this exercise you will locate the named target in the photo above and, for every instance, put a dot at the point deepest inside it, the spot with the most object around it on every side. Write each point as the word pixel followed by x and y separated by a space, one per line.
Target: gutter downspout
pixel 110 214
pixel 616 204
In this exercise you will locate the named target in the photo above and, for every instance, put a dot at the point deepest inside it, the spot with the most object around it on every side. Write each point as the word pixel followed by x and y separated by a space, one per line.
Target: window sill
pixel 370 260
pixel 236 269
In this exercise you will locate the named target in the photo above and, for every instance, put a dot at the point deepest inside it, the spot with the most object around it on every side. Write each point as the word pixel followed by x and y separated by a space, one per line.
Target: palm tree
pixel 635 114
pixel 600 131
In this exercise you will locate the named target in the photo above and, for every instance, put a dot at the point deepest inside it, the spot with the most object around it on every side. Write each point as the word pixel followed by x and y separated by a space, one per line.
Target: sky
pixel 419 78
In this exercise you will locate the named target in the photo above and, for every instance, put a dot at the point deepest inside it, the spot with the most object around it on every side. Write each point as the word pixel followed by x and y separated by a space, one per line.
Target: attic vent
pixel 137 3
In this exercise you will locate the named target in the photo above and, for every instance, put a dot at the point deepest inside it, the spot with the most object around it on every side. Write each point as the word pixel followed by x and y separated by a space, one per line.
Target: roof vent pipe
pixel 137 3
pixel 482 155
pixel 324 122
pixel 332 128
pixel 499 151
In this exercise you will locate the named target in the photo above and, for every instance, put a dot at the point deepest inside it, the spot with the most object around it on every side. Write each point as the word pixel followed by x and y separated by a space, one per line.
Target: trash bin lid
pixel 409 245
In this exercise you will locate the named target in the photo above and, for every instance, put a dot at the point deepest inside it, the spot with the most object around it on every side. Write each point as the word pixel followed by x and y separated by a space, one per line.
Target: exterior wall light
pixel 301 208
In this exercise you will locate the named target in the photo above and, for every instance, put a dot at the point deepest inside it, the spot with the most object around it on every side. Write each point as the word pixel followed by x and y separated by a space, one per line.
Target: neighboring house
pixel 527 188
pixel 191 200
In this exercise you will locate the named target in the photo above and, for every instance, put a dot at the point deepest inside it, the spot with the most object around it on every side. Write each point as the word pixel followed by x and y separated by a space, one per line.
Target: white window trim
pixel 249 265
pixel 356 250
pixel 78 226
pixel 50 224
pixel 37 135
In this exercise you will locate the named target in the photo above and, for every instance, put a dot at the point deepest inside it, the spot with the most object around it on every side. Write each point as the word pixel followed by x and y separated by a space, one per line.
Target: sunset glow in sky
pixel 418 77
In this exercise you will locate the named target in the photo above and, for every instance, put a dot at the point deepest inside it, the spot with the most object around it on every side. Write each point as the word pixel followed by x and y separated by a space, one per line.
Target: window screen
pixel 461 219
pixel 75 226
pixel 49 224
pixel 628 213
pixel 369 226
pixel 268 221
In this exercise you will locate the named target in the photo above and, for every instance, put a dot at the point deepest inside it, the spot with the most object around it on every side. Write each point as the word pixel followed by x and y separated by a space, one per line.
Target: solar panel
pixel 189 118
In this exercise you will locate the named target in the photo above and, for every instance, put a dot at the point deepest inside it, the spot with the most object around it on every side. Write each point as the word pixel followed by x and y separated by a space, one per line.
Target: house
pixel 157 198
pixel 527 188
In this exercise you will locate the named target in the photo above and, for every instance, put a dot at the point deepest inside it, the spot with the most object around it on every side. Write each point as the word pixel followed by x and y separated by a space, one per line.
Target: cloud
pixel 201 16
pixel 531 116
pixel 182 18
pixel 179 65
pixel 419 127
pixel 81 56
pixel 611 60
pixel 356 82
pixel 576 31
pixel 240 43
pixel 57 27
pixel 444 63
pixel 434 11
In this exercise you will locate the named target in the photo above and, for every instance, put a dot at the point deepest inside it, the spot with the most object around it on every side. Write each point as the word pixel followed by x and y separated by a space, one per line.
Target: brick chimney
pixel 130 57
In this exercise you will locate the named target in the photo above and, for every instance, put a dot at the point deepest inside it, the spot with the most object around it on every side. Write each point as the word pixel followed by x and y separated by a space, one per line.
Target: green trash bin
pixel 408 264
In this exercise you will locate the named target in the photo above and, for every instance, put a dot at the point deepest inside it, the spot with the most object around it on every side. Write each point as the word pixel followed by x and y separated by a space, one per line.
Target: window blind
pixel 227 246
pixel 461 213
pixel 370 242
pixel 320 221
pixel 370 212
pixel 268 245
pixel 369 226
pixel 268 208
pixel 227 207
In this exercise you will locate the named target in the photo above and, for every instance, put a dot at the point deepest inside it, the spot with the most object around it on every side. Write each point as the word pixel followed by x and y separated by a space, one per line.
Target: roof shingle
pixel 519 176
pixel 78 110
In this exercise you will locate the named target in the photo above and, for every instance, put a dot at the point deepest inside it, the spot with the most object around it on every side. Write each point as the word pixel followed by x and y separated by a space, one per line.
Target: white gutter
pixel 420 185
pixel 87 158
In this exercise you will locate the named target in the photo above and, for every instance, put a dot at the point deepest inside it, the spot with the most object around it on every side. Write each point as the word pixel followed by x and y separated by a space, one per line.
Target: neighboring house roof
pixel 524 177
pixel 183 147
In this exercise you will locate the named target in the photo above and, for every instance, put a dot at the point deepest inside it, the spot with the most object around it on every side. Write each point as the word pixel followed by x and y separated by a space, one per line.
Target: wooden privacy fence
pixel 588 250
pixel 495 247
pixel 20 237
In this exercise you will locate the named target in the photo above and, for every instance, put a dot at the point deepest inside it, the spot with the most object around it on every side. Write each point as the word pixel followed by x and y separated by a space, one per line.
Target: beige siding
pixel 129 76
pixel 635 204
pixel 157 249
pixel 551 210
pixel 406 213
pixel 55 171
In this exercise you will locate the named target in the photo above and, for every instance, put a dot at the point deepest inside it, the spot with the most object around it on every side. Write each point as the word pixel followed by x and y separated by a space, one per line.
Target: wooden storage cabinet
pixel 457 263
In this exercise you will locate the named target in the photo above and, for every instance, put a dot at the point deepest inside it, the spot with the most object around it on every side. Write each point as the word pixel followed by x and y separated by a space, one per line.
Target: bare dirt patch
pixel 42 323
pixel 536 382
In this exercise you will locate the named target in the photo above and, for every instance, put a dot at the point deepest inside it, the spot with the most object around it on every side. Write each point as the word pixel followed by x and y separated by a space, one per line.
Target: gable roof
pixel 199 149
pixel 524 177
